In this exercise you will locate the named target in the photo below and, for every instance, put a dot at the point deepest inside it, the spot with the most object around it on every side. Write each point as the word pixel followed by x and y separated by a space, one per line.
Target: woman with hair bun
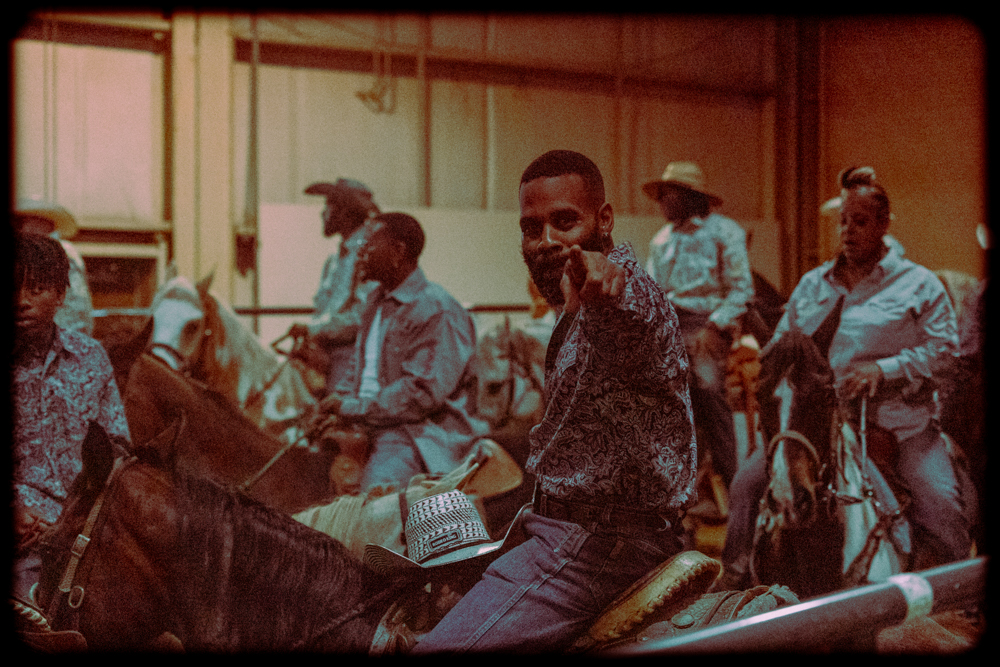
pixel 896 337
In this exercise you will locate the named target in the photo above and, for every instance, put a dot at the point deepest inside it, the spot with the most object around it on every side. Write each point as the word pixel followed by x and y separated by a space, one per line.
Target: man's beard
pixel 546 269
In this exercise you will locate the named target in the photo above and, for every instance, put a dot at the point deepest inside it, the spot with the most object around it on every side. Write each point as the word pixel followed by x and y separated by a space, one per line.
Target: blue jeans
pixel 543 594
pixel 924 466
pixel 713 417
pixel 938 505
pixel 393 462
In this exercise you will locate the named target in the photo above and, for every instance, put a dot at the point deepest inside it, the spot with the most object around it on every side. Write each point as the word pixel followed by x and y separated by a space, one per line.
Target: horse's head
pixel 179 321
pixel 798 439
pixel 106 558
pixel 123 355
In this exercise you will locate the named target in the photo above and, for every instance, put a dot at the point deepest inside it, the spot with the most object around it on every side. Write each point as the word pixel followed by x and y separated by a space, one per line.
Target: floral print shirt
pixel 618 427
pixel 54 400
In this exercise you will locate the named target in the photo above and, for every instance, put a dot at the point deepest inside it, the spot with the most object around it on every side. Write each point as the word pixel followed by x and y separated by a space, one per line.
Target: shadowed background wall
pixel 143 122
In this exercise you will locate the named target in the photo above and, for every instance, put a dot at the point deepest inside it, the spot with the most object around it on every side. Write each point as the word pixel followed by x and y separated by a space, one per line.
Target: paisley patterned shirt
pixel 54 399
pixel 703 267
pixel 618 426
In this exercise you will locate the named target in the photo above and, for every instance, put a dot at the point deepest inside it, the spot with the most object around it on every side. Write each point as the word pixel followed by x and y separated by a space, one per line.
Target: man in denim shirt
pixel 412 383
pixel 614 456
pixel 700 260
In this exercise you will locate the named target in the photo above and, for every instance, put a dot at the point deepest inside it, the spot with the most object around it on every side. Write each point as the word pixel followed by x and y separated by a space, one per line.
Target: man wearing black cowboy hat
pixel 700 260
pixel 614 456
pixel 341 294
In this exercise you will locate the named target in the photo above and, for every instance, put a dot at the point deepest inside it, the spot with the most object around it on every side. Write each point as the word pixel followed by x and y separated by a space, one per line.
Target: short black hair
pixel 562 162
pixel 405 228
pixel 40 263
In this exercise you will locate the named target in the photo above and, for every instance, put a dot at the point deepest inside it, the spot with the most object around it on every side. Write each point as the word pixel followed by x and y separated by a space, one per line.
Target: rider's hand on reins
pixel 863 379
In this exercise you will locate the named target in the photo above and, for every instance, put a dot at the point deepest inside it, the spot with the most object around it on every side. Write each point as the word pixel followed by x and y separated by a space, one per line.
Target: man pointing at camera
pixel 614 455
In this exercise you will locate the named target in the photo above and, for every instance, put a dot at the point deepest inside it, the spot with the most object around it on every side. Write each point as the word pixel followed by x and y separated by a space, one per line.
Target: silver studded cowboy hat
pixel 61 219
pixel 687 175
pixel 441 530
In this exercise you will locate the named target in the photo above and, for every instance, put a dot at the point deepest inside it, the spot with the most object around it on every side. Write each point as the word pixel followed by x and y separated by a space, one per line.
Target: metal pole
pixel 824 623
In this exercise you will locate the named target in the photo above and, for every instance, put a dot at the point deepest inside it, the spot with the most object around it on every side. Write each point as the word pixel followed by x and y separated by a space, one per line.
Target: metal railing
pixel 836 621
pixel 304 310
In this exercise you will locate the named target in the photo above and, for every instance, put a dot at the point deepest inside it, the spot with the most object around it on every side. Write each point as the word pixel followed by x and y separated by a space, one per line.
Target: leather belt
pixel 585 514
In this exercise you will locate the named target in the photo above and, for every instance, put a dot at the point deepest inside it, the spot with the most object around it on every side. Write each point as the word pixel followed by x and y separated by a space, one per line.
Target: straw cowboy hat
pixel 443 529
pixel 683 174
pixel 61 219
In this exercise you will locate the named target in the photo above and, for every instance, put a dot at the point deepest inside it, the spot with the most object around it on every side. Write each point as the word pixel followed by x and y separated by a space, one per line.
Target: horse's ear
pixel 161 450
pixel 171 272
pixel 204 284
pixel 98 456
pixel 124 355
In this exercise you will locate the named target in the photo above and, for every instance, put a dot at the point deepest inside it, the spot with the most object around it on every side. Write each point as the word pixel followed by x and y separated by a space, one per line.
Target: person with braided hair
pixel 62 381
pixel 896 338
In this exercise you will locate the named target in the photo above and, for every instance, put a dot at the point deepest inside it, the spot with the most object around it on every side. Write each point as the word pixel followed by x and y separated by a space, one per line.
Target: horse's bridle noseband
pixel 180 364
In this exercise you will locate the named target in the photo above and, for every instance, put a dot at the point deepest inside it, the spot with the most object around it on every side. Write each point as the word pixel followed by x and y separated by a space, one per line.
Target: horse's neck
pixel 242 365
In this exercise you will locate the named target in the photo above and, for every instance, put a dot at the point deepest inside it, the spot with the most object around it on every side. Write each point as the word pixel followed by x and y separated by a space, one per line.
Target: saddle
pixel 708 610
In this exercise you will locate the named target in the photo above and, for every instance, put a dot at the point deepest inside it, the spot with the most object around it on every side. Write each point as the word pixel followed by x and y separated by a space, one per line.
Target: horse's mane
pixel 264 581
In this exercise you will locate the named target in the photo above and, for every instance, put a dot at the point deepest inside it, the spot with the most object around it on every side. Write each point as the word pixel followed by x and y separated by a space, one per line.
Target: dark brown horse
pixel 219 440
pixel 821 526
pixel 168 552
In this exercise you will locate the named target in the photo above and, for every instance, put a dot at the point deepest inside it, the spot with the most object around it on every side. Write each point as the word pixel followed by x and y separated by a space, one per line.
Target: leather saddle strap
pixel 706 620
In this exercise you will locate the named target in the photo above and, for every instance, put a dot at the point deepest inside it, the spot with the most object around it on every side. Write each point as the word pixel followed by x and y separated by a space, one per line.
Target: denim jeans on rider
pixel 924 465
pixel 393 462
pixel 543 594
pixel 938 505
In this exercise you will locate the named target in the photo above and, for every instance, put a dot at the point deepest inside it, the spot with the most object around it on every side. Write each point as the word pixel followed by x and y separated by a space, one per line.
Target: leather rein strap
pixel 74 594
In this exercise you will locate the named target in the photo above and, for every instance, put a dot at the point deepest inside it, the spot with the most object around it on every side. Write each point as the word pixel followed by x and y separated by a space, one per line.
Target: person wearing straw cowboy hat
pixel 42 217
pixel 700 260
pixel 341 296
pixel 614 457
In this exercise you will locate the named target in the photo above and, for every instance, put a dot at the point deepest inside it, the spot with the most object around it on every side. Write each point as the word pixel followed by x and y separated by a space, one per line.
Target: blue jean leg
pixel 542 595
pixel 749 486
pixel 937 508
pixel 393 462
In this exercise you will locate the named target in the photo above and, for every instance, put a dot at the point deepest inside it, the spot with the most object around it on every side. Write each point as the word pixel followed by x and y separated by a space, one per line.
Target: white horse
pixel 197 334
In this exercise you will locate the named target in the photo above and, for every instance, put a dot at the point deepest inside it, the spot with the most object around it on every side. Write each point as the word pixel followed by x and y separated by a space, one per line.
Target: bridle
pixel 72 585
pixel 186 368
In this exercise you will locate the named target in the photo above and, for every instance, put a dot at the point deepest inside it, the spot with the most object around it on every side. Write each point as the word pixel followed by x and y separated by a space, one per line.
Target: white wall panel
pixel 93 118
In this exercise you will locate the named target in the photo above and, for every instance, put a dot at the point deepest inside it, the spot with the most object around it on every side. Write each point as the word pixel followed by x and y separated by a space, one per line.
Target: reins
pixel 254 478
pixel 185 369
pixel 70 588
